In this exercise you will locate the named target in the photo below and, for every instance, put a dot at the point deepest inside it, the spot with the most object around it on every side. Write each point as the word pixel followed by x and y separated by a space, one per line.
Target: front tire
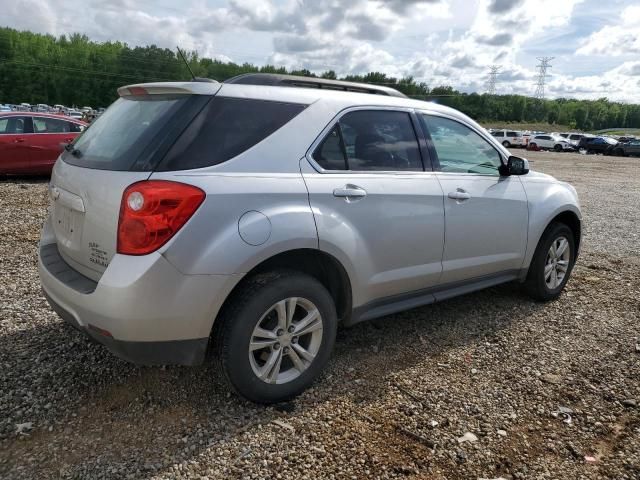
pixel 506 144
pixel 552 263
pixel 558 147
pixel 277 336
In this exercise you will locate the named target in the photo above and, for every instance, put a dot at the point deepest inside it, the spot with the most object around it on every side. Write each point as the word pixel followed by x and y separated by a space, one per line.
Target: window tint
pixel 225 128
pixel 133 131
pixel 498 134
pixel 51 125
pixel 460 149
pixel 330 153
pixel 13 125
pixel 372 140
pixel 74 127
pixel 575 137
pixel 512 134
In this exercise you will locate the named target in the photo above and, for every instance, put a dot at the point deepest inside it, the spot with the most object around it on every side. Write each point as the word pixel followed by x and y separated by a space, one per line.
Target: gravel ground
pixel 490 385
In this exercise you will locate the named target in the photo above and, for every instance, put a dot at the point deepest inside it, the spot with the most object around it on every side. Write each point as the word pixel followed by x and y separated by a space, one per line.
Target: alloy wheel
pixel 557 263
pixel 286 340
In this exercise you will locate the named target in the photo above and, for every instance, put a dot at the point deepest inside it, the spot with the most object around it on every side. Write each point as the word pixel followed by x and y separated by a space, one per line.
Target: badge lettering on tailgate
pixel 97 255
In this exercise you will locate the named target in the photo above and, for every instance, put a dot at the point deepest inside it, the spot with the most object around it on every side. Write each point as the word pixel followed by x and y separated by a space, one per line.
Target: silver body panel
pixel 405 235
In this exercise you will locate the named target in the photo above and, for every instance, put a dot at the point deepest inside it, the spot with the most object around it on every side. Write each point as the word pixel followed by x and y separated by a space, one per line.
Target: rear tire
pixel 251 336
pixel 533 146
pixel 506 144
pixel 549 272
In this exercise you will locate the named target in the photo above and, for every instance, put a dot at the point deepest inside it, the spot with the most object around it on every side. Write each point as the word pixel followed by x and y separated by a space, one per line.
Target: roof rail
pixel 279 80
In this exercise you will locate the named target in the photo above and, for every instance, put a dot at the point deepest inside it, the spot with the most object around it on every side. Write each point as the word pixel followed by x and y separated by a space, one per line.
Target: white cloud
pixel 620 39
pixel 441 42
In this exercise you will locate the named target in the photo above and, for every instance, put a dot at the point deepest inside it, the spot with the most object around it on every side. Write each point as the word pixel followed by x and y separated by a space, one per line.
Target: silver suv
pixel 252 218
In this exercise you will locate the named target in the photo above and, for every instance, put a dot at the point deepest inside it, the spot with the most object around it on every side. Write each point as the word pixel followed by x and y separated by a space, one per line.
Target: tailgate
pixel 85 205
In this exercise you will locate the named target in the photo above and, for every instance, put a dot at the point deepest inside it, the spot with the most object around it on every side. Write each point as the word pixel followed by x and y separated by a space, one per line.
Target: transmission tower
pixel 542 75
pixel 494 71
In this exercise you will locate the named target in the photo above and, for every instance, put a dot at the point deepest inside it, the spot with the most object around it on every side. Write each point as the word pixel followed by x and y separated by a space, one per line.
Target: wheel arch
pixel 313 262
pixel 568 215
pixel 571 220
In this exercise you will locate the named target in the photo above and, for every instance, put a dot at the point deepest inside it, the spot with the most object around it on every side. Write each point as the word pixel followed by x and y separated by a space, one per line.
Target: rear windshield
pixel 132 132
pixel 225 128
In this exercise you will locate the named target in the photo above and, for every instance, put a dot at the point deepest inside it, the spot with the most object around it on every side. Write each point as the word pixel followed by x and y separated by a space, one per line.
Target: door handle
pixel 18 140
pixel 350 191
pixel 459 194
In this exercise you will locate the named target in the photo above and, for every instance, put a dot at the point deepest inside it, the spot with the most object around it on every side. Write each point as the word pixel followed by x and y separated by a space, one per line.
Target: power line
pixel 80 70
pixel 494 71
pixel 542 75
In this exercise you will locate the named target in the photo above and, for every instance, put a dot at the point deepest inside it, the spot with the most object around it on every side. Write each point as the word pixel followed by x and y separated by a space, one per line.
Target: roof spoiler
pixel 199 86
pixel 279 80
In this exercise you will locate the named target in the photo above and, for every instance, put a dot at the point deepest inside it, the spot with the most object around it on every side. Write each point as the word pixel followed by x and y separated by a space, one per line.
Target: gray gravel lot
pixel 542 390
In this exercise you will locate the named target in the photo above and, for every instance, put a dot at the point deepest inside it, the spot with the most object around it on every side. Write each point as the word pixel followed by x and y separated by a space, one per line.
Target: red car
pixel 31 142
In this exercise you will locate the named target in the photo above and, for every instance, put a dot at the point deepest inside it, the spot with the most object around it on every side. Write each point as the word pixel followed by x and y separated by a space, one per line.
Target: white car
pixel 509 138
pixel 574 138
pixel 550 141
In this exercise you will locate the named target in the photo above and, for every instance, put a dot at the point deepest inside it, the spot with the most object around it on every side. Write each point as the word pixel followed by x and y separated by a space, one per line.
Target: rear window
pixel 225 128
pixel 134 132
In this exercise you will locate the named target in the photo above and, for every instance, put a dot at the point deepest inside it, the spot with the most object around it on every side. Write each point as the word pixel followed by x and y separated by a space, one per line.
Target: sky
pixel 595 43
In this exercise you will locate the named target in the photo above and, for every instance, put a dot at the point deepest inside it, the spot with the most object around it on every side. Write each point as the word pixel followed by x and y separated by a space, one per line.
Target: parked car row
pixel 568 142
pixel 83 113
pixel 31 142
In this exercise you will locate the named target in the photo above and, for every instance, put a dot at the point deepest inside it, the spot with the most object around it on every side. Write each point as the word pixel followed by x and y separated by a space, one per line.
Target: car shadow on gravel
pixel 26 179
pixel 74 391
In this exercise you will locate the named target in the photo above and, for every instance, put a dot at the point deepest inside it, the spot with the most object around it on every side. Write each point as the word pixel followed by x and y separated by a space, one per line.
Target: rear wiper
pixel 72 150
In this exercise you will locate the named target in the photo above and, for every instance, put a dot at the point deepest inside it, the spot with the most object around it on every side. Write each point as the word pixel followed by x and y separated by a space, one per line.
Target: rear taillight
pixel 152 211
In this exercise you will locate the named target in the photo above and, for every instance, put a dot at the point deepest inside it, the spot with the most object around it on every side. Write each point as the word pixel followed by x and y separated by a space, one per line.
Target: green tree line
pixel 73 70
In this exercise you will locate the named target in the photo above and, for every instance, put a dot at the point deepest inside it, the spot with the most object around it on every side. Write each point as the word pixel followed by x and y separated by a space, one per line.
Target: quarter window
pixel 370 140
pixel 225 128
pixel 460 149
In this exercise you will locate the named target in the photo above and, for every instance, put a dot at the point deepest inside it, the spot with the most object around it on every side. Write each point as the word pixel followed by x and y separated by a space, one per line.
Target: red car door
pixel 45 143
pixel 14 151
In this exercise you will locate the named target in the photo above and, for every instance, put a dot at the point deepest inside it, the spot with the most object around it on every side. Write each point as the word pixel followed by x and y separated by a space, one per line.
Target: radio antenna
pixel 193 77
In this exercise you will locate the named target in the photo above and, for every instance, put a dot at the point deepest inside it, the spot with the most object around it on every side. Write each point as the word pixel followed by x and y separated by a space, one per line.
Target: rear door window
pixel 366 140
pixel 50 125
pixel 225 128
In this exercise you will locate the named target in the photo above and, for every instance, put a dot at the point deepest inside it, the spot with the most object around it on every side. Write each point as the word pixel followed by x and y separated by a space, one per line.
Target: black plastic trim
pixel 406 301
pixel 62 271
pixel 280 80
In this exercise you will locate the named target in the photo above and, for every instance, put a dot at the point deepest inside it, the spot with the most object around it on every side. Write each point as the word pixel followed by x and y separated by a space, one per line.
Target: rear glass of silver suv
pixel 176 132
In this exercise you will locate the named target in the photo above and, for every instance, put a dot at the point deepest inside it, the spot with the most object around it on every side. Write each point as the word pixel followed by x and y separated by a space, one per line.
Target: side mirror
pixel 515 166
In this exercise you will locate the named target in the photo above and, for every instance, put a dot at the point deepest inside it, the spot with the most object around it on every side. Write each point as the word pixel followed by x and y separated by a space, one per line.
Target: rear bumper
pixel 172 352
pixel 142 309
